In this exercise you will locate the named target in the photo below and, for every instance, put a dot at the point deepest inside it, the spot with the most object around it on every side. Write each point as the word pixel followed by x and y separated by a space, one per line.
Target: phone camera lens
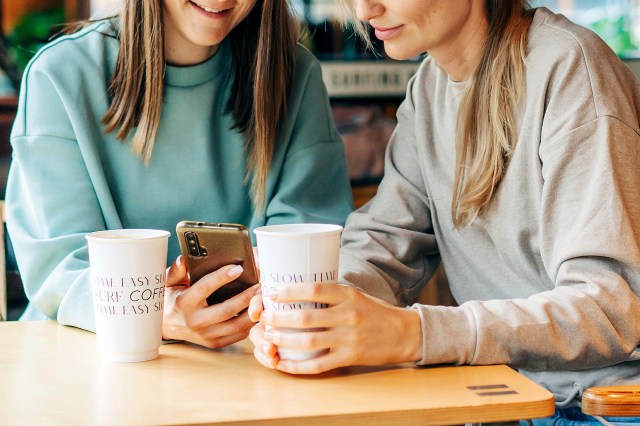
pixel 192 244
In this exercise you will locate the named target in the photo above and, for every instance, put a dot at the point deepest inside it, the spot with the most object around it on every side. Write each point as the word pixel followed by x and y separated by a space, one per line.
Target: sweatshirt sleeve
pixel 388 247
pixel 312 182
pixel 589 235
pixel 51 204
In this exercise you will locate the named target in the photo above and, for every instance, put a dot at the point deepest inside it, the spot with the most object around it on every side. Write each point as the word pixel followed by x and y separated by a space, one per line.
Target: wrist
pixel 411 347
pixel 406 344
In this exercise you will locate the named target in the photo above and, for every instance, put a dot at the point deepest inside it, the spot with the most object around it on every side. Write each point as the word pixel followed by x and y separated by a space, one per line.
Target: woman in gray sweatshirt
pixel 515 164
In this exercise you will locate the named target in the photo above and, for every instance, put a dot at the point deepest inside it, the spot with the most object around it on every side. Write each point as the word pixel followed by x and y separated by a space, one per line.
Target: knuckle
pixel 314 290
pixel 284 292
pixel 352 292
pixel 311 340
pixel 193 323
pixel 240 328
pixel 213 343
pixel 180 302
pixel 305 316
pixel 244 335
pixel 353 317
pixel 254 334
pixel 225 310
pixel 245 297
pixel 202 289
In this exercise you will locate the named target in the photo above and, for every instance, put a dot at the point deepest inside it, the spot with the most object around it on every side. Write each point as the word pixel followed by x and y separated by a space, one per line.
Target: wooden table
pixel 51 374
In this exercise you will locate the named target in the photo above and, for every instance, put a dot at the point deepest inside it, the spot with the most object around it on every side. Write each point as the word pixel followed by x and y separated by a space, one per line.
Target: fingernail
pixel 273 295
pixel 236 270
pixel 179 261
pixel 268 335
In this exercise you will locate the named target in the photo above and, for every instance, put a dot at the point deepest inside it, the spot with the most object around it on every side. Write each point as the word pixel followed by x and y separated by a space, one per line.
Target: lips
pixel 386 33
pixel 209 9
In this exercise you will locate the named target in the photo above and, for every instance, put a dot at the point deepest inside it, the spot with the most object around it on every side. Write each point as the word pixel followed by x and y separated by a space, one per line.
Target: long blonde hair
pixel 263 50
pixel 486 131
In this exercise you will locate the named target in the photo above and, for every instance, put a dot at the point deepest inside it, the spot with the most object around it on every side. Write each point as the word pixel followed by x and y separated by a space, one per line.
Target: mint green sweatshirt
pixel 68 178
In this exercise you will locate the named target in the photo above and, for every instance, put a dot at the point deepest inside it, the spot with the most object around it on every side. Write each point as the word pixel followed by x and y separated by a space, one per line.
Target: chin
pixel 399 53
pixel 208 41
pixel 205 39
pixel 397 56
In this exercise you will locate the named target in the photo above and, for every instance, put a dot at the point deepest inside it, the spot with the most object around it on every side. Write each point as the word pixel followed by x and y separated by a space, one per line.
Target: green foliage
pixel 33 31
pixel 617 33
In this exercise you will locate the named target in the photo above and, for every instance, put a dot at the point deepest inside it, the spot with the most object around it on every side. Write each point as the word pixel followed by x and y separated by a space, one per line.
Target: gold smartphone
pixel 208 246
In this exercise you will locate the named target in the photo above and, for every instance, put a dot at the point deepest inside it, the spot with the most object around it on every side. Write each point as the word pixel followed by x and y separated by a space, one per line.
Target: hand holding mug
pixel 356 328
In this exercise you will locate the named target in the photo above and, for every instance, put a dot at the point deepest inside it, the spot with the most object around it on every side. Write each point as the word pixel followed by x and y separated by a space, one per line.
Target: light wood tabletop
pixel 51 374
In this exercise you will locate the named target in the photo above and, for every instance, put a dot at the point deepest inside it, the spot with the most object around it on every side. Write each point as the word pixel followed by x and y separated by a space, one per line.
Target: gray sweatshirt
pixel 548 277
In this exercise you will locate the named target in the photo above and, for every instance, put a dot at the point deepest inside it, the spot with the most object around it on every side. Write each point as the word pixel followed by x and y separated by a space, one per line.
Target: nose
pixel 368 9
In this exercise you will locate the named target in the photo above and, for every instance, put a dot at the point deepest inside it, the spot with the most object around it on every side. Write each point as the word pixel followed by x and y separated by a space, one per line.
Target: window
pixel 104 8
pixel 616 21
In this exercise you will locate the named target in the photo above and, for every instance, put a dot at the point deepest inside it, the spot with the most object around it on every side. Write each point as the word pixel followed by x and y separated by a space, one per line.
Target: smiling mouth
pixel 208 9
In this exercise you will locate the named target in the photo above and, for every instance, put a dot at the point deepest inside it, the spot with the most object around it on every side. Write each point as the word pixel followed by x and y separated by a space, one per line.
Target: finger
pixel 222 341
pixel 257 337
pixel 228 309
pixel 304 340
pixel 200 290
pixel 210 319
pixel 319 364
pixel 266 353
pixel 331 294
pixel 266 360
pixel 307 318
pixel 221 334
pixel 177 273
pixel 255 307
pixel 214 336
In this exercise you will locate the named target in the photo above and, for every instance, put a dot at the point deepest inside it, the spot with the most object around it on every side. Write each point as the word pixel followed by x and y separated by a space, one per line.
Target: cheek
pixel 247 8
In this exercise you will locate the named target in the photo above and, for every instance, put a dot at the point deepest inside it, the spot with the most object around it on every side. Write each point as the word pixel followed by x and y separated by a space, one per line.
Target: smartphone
pixel 208 246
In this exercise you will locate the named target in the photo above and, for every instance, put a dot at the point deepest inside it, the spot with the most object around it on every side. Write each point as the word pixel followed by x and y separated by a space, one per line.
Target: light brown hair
pixel 263 50
pixel 487 131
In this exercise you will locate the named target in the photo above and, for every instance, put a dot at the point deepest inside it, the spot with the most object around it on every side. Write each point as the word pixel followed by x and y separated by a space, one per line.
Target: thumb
pixel 256 307
pixel 177 273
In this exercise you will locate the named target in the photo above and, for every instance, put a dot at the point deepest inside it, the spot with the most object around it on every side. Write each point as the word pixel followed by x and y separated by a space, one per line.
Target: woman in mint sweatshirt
pixel 515 165
pixel 176 110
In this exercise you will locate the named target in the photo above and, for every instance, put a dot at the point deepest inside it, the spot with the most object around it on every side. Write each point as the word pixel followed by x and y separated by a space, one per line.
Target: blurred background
pixel 365 87
pixel 28 24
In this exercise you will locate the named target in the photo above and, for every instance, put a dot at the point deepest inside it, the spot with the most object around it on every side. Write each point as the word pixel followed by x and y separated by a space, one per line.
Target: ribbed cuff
pixel 448 335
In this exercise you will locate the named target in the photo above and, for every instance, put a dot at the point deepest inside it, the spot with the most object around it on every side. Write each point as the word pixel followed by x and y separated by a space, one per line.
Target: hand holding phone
pixel 207 247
